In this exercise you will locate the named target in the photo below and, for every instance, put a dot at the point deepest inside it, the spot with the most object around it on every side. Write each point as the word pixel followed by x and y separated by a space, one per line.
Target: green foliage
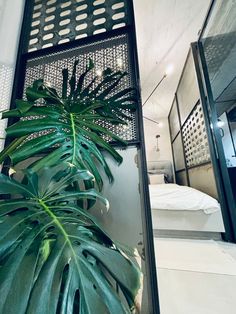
pixel 54 257
pixel 70 124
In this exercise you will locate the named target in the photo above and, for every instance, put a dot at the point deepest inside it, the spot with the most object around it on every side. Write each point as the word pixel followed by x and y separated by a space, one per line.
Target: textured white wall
pixel 165 29
pixel 11 12
pixel 150 131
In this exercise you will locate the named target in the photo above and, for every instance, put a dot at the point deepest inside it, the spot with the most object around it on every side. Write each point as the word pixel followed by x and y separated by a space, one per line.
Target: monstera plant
pixel 54 256
pixel 70 124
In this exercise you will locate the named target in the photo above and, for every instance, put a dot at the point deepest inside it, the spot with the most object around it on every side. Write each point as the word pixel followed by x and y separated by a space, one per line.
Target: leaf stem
pixel 74 137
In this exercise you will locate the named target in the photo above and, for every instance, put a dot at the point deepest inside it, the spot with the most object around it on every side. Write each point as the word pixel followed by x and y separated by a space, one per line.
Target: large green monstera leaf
pixel 54 258
pixel 70 125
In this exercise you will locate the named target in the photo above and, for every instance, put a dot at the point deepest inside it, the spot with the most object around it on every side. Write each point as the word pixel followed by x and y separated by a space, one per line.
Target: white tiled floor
pixel 196 276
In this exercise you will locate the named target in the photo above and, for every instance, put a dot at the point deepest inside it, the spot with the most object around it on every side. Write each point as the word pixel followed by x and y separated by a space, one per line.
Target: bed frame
pixel 186 224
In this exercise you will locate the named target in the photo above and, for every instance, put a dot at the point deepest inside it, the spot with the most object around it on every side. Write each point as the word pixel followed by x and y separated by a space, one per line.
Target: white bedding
pixel 176 197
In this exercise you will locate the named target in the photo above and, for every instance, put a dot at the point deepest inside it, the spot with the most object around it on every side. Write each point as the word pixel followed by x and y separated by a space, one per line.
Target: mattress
pixel 187 221
pixel 173 197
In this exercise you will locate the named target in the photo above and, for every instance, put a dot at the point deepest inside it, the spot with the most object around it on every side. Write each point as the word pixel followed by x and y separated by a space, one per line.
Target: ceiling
pixel 165 29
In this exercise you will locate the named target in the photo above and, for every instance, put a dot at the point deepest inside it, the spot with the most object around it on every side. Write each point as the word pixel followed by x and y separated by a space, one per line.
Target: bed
pixel 181 208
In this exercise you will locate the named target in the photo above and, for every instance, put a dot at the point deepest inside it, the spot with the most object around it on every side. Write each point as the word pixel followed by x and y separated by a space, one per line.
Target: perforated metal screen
pixel 6 76
pixel 59 21
pixel 217 48
pixel 195 138
pixel 112 52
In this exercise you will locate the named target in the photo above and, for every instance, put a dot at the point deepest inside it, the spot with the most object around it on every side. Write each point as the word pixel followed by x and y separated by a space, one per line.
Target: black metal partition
pixel 195 159
pixel 105 52
pixel 215 54
pixel 187 128
pixel 57 32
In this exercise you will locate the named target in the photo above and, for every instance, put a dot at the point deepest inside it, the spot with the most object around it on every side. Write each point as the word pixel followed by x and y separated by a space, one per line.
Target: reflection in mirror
pixel 189 212
pixel 219 46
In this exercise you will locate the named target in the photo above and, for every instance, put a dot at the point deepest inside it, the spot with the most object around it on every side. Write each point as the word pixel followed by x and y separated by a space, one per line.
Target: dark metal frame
pixel 214 136
pixel 215 162
pixel 181 126
pixel 148 230
pixel 172 150
pixel 220 168
pixel 182 139
pixel 18 86
pixel 230 130
pixel 205 97
pixel 186 167
pixel 205 23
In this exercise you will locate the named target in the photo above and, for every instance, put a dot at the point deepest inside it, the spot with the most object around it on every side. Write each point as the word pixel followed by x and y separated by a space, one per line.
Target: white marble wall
pixel 11 12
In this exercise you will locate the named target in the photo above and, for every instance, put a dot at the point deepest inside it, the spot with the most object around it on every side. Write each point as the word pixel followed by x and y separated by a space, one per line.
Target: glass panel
pixel 220 50
pixel 219 45
pixel 178 153
pixel 188 82
pixel 174 121
pixel 130 230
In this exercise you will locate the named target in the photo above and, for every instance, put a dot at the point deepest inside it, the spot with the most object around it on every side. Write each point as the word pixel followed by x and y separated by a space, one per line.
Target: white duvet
pixel 176 197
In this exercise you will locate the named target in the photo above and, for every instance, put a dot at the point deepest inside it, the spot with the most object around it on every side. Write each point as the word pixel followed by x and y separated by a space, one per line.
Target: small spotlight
pixel 119 62
pixel 169 70
pixel 48 84
pixel 99 73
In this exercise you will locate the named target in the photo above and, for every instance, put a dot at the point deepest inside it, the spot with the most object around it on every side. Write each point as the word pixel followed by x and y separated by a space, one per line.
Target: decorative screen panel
pixel 112 52
pixel 195 138
pixel 217 49
pixel 58 21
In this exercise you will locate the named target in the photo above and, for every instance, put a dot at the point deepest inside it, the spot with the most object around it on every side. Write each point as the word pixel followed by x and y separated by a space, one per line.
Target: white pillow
pixel 157 179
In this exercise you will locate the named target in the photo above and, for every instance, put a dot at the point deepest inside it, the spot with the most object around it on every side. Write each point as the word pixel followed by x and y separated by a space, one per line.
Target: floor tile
pixel 194 255
pixel 184 292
